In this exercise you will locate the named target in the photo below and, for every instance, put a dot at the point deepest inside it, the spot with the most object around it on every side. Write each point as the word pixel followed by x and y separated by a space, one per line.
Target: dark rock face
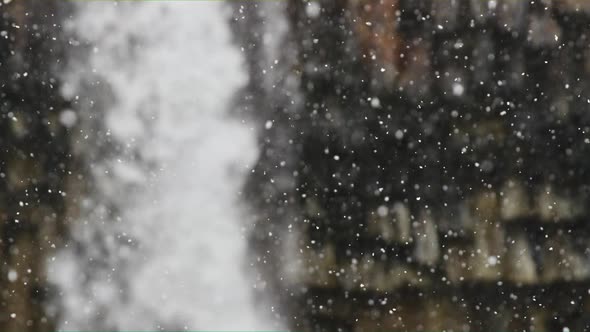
pixel 425 164
pixel 34 157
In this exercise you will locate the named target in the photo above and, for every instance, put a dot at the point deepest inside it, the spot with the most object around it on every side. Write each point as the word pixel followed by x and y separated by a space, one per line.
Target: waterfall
pixel 160 238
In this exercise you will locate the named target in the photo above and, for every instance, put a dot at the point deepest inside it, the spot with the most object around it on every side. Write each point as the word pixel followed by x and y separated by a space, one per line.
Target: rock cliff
pixel 34 157
pixel 424 163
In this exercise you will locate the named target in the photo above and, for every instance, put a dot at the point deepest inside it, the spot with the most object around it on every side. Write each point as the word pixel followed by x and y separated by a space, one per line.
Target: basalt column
pixel 34 157
pixel 425 165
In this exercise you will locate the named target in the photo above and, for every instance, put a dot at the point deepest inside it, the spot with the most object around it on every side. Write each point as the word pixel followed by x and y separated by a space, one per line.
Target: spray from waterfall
pixel 159 242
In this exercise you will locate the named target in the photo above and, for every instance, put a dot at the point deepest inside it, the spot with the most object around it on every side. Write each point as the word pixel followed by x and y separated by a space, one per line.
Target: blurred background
pixel 305 165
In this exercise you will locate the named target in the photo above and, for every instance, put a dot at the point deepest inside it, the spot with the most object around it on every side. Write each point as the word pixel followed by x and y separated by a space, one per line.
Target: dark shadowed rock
pixel 34 158
pixel 438 156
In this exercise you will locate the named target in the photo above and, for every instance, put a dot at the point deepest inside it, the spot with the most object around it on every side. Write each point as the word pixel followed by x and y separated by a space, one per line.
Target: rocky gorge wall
pixel 423 167
pixel 424 163
pixel 34 158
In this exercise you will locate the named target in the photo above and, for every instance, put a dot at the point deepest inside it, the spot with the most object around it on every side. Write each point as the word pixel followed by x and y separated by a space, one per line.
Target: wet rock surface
pixel 426 168
pixel 34 158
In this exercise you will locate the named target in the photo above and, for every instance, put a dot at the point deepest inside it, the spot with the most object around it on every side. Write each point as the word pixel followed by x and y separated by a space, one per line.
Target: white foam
pixel 159 244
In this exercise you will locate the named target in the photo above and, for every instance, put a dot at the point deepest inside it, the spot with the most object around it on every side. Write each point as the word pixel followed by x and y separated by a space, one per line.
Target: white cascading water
pixel 160 244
